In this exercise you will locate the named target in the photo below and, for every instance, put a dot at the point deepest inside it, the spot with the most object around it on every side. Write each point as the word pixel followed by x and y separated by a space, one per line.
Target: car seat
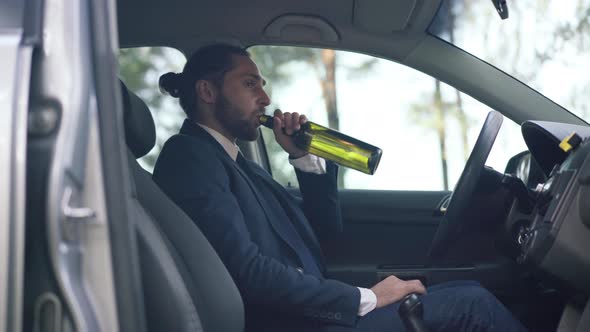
pixel 186 287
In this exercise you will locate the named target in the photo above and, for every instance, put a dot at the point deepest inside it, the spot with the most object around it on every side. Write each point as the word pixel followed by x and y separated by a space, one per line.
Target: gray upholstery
pixel 168 303
pixel 186 286
pixel 140 130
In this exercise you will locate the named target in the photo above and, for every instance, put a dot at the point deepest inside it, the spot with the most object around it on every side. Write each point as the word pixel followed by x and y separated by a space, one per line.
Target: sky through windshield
pixel 542 43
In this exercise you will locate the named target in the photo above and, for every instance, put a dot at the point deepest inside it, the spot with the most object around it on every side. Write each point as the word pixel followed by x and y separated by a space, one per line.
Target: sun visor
pixel 301 28
pixel 543 138
pixel 383 16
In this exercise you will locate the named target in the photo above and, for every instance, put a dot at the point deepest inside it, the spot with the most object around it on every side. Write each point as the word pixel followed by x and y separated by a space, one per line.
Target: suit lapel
pixel 299 220
pixel 279 227
pixel 191 129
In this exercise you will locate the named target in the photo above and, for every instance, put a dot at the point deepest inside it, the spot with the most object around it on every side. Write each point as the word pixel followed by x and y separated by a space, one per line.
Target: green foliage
pixel 136 65
pixel 140 69
pixel 272 61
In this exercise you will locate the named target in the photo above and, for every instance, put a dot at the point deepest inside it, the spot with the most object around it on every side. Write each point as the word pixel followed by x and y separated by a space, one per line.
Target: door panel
pixel 384 231
pixel 386 227
pixel 389 232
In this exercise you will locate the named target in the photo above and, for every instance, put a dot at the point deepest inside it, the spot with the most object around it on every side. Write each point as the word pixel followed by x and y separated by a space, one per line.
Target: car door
pixel 80 259
pixel 15 65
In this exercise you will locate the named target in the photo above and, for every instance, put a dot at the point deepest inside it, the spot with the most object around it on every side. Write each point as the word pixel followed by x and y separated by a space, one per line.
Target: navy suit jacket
pixel 253 236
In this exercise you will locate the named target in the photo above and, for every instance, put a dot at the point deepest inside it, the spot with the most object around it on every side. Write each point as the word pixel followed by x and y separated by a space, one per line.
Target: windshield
pixel 545 44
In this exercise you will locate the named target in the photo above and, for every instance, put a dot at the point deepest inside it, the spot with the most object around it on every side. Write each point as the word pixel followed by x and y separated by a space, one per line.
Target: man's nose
pixel 264 98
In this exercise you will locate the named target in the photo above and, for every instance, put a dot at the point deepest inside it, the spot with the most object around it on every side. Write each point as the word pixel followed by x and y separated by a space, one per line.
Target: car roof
pixel 339 24
pixel 394 30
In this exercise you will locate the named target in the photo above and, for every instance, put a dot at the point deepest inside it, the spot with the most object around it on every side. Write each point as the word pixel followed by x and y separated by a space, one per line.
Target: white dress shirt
pixel 310 164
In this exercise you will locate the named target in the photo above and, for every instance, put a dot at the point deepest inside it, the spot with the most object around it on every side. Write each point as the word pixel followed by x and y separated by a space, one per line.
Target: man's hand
pixel 285 124
pixel 393 289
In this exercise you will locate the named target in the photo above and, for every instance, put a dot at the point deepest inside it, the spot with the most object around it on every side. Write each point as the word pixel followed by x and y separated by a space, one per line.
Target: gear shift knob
pixel 411 313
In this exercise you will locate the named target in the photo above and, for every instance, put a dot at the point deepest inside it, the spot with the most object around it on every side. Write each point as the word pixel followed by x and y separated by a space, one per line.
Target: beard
pixel 239 124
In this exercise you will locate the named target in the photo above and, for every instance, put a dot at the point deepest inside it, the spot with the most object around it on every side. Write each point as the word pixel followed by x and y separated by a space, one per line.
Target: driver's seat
pixel 186 286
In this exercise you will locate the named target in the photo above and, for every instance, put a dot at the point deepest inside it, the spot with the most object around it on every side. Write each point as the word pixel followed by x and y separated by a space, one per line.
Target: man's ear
pixel 206 91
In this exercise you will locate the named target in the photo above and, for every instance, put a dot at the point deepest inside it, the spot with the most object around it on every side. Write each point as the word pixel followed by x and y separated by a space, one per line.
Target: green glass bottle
pixel 333 145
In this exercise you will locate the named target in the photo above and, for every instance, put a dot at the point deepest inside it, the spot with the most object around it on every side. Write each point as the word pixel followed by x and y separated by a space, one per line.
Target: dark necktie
pixel 241 160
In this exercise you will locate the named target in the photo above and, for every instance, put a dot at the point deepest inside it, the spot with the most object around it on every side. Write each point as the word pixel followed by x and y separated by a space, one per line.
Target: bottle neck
pixel 267 121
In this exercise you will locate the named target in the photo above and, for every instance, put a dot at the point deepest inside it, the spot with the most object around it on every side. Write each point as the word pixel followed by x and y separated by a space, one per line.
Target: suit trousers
pixel 448 307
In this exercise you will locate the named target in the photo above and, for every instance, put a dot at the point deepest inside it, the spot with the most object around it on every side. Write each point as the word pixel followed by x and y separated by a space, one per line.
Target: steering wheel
pixel 453 221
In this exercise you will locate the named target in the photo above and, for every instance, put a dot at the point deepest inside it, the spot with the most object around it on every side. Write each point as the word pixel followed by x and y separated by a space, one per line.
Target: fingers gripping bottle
pixel 333 145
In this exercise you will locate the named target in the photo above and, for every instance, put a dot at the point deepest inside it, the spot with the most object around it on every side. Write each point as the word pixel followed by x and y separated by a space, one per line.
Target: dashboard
pixel 553 227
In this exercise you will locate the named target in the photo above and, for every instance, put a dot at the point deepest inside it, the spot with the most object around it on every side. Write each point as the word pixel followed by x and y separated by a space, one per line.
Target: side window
pixel 140 68
pixel 425 128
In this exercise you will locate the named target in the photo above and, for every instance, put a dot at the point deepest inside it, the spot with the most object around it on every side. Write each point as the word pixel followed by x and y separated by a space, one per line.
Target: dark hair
pixel 210 63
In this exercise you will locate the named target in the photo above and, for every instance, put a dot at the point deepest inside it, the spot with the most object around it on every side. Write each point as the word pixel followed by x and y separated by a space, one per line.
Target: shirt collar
pixel 230 147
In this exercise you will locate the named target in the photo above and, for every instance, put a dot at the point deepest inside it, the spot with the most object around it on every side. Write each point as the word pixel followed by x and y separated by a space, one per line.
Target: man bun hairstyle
pixel 207 63
pixel 170 83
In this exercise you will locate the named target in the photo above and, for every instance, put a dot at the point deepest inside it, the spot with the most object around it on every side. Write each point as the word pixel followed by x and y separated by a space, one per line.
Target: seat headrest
pixel 140 130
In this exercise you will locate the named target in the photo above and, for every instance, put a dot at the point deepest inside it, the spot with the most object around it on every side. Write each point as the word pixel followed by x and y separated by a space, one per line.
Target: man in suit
pixel 269 240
